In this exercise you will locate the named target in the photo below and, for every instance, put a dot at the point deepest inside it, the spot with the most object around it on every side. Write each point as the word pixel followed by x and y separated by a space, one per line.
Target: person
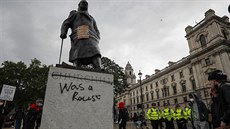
pixel 18 116
pixel 220 93
pixel 179 117
pixel 123 115
pixel 136 120
pixel 167 115
pixel 85 37
pixel 154 116
pixel 39 104
pixel 187 115
pixel 31 117
pixel 199 112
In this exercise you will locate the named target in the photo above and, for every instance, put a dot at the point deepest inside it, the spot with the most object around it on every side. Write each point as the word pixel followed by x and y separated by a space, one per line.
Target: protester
pixel 39 103
pixel 220 93
pixel 31 117
pixel 136 120
pixel 199 112
pixel 19 116
pixel 123 115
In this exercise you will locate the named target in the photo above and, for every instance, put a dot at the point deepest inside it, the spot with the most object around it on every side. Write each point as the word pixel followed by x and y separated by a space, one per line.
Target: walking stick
pixel 61 51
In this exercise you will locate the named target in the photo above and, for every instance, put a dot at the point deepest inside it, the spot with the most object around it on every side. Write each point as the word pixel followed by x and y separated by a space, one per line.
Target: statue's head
pixel 83 5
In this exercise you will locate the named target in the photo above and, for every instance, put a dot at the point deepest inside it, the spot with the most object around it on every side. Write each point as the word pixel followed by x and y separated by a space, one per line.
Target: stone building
pixel 209 49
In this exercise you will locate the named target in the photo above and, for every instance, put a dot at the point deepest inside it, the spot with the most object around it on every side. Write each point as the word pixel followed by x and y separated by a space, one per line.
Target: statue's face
pixel 83 6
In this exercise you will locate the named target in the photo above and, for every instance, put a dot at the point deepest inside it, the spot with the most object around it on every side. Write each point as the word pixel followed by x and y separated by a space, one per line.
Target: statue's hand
pixel 63 36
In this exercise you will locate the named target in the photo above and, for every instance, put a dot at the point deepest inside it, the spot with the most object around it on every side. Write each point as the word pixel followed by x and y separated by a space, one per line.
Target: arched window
pixel 224 33
pixel 183 87
pixel 152 95
pixel 174 90
pixel 202 41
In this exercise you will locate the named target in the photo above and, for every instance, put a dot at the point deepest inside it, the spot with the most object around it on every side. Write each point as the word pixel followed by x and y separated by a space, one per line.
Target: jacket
pixel 222 103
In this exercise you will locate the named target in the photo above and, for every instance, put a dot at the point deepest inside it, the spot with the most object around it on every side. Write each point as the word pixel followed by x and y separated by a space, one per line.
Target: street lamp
pixel 142 110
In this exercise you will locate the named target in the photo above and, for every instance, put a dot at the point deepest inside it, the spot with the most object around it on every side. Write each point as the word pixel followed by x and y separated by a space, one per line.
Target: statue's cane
pixel 61 51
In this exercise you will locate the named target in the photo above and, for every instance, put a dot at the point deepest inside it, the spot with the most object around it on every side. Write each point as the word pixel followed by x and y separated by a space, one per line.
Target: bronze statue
pixel 84 38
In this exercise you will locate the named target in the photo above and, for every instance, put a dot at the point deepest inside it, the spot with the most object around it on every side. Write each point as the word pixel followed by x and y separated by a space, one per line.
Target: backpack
pixel 126 114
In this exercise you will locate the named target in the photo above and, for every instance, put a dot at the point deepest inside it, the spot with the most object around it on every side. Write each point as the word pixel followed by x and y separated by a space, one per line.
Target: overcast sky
pixel 147 33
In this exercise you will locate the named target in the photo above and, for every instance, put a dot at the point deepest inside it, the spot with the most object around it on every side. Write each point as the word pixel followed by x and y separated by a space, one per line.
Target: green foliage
pixel 120 83
pixel 30 81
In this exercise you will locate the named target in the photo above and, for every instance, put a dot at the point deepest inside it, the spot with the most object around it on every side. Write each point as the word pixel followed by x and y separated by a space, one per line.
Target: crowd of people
pixel 29 118
pixel 195 114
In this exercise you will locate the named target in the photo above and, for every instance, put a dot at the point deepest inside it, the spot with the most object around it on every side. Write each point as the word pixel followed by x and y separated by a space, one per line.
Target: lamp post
pixel 142 110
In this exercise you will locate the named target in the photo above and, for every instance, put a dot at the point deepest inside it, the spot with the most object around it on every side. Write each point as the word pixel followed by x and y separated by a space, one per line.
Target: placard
pixel 7 93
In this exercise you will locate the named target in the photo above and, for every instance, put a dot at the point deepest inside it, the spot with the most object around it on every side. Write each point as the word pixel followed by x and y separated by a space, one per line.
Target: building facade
pixel 209 45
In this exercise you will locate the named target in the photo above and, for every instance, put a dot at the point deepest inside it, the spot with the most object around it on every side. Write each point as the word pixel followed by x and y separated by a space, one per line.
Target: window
pixel 147 105
pixel 202 41
pixel 193 84
pixel 133 100
pixel 151 86
pixel 165 91
pixel 174 90
pixel 190 71
pixel 168 101
pixel 208 61
pixel 158 104
pixel 183 87
pixel 175 101
pixel 130 73
pixel 137 99
pixel 158 94
pixel 146 88
pixel 156 84
pixel 172 78
pixel 181 74
pixel 185 99
pixel 152 95
pixel 147 97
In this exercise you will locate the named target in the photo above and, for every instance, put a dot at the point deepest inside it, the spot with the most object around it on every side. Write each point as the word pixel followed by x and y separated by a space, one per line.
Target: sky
pixel 145 33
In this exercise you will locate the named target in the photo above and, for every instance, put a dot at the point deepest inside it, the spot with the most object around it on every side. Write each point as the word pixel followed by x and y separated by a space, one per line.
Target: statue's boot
pixel 77 64
pixel 96 62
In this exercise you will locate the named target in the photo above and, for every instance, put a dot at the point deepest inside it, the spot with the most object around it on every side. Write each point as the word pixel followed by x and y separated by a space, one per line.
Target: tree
pixel 120 83
pixel 30 81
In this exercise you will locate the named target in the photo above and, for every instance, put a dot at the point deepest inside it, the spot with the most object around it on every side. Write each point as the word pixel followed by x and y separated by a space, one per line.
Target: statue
pixel 84 38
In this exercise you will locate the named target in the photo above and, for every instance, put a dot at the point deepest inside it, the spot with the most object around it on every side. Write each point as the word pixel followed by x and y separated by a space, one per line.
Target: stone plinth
pixel 77 99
